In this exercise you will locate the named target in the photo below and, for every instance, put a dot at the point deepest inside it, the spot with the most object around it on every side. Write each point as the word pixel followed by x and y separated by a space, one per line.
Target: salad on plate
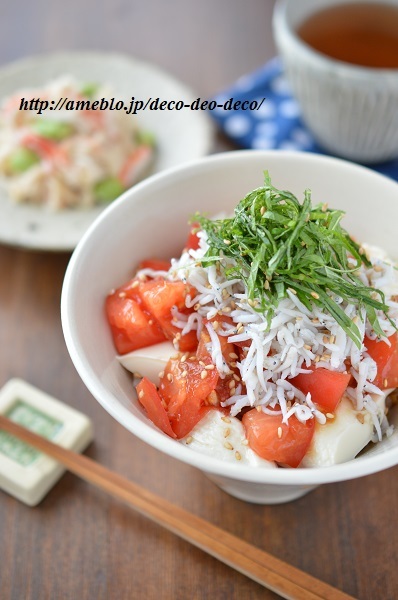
pixel 271 340
pixel 64 158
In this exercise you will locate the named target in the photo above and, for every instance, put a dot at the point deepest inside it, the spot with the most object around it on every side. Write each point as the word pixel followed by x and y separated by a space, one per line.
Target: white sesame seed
pixel 228 446
pixel 238 455
pixel 141 394
pixel 213 399
pixel 279 432
pixel 203 374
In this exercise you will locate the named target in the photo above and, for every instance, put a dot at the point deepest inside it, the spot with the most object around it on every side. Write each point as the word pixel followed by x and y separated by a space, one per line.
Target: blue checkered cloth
pixel 277 123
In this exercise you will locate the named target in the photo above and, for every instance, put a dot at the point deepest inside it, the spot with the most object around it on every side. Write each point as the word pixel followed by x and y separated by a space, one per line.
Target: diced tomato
pixel 183 381
pixel 155 264
pixel 185 390
pixel 132 327
pixel 159 296
pixel 326 387
pixel 193 240
pixel 227 348
pixel 289 448
pixel 188 416
pixel 386 358
pixel 151 401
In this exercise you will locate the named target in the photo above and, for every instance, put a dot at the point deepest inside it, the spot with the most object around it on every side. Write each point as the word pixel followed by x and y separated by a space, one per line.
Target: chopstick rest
pixel 26 473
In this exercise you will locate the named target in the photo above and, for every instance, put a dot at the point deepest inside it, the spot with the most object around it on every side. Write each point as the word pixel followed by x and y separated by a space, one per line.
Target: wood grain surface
pixel 79 544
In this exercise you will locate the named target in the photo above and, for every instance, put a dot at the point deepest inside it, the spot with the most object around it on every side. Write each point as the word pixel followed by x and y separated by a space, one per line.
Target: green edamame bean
pixel 108 189
pixel 22 159
pixel 53 130
pixel 89 89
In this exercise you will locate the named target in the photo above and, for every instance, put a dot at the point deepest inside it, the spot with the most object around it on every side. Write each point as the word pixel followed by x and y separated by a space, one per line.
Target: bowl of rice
pixel 285 328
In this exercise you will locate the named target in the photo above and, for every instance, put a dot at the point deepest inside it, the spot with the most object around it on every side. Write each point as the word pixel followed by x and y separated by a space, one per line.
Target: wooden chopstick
pixel 274 574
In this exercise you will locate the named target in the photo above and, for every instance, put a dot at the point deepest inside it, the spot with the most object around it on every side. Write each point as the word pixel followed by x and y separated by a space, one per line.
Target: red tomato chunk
pixel 159 296
pixel 273 440
pixel 132 326
pixel 193 240
pixel 326 387
pixel 185 389
pixel 151 401
pixel 155 263
pixel 386 358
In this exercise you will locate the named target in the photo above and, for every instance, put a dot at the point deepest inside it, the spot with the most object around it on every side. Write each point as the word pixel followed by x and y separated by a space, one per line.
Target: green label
pixel 26 415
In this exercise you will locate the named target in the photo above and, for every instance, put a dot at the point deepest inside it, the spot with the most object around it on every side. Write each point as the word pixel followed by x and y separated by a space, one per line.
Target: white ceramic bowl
pixel 351 110
pixel 151 220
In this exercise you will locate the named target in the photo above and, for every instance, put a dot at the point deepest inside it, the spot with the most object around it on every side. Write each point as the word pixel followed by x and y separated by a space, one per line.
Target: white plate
pixel 180 135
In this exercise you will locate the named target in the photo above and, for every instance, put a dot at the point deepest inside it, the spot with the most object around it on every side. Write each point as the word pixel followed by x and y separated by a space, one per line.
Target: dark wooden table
pixel 79 544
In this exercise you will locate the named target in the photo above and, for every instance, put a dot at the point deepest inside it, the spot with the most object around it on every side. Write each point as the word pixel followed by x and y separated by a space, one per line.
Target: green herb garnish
pixel 278 243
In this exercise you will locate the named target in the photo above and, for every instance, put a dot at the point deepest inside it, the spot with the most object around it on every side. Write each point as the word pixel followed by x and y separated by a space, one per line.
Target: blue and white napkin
pixel 277 123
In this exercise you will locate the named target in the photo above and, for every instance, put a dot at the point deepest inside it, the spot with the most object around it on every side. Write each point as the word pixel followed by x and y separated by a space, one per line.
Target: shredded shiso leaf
pixel 277 243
